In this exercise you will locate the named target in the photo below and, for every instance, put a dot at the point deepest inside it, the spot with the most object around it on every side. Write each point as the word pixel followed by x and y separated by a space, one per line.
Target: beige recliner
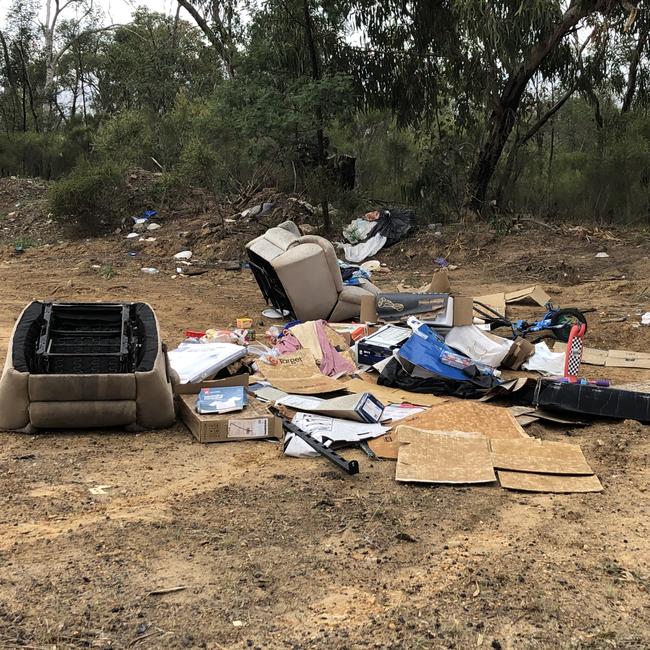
pixel 301 274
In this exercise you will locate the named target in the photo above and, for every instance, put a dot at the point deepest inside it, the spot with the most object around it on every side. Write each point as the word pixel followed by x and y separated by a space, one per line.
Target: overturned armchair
pixel 300 274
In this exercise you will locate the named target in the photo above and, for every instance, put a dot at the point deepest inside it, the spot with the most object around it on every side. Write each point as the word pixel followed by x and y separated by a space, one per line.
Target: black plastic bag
pixel 394 224
pixel 395 376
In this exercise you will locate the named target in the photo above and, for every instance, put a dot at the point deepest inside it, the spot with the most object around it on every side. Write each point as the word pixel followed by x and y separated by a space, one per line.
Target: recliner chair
pixel 301 274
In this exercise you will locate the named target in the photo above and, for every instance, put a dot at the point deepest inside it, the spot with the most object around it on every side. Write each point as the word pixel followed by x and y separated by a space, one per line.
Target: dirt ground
pixel 275 552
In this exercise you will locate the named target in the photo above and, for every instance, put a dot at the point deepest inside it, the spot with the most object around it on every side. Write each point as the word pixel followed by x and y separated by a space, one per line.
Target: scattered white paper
pixel 398 412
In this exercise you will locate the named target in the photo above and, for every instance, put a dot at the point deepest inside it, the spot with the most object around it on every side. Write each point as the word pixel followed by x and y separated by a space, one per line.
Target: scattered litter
pixel 275 313
pixel 183 255
pixel 150 270
pixel 602 254
pixel 132 235
pixel 98 489
pixel 645 319
pixel 371 266
pixel 167 590
pixel 153 226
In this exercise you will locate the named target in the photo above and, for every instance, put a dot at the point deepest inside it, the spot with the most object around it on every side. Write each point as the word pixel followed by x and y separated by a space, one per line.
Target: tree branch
pixel 205 28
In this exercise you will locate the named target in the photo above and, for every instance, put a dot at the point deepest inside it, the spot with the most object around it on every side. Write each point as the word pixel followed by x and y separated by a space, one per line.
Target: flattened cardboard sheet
pixel 297 373
pixel 386 446
pixel 531 482
pixel 496 301
pixel 536 294
pixel 388 395
pixel 528 414
pixel 610 358
pixel 443 457
pixel 466 415
pixel 525 420
pixel 624 359
pixel 532 455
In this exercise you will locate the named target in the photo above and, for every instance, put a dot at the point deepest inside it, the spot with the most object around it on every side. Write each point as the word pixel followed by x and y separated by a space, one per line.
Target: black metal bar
pixel 349 466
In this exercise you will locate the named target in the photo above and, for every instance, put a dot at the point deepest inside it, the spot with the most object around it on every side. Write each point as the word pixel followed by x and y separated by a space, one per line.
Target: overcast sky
pixel 120 10
pixel 115 11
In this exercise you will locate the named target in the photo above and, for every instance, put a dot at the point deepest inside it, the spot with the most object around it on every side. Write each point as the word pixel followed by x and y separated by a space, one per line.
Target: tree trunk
pixel 634 68
pixel 503 117
pixel 320 137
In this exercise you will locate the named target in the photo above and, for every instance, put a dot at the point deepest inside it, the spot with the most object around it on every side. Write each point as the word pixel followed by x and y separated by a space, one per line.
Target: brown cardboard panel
pixel 632 360
pixel 551 416
pixel 387 395
pixel 439 282
pixel 194 389
pixel 253 423
pixel 525 420
pixel 527 414
pixel 496 301
pixel 611 358
pixel 463 310
pixel 590 356
pixel 627 354
pixel 297 373
pixel 521 410
pixel 520 351
pixel 461 415
pixel 536 294
pixel 386 446
pixel 532 455
pixel 530 482
pixel 368 309
pixel 443 457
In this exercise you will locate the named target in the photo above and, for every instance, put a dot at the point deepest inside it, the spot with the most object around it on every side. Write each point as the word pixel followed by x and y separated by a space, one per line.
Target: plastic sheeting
pixel 477 345
pixel 546 362
pixel 197 361
pixel 363 250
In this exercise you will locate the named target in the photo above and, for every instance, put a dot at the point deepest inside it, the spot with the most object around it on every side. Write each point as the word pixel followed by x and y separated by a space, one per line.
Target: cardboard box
pixel 193 389
pixel 253 423
pixel 519 352
pixel 460 311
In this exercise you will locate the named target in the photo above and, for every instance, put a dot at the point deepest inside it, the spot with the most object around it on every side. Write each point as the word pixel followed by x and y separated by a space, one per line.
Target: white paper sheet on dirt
pixel 473 342
pixel 396 412
pixel 197 361
pixel 364 250
pixel 545 362
pixel 327 430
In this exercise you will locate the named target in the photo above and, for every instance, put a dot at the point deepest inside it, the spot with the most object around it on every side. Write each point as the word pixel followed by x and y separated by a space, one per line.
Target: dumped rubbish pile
pixel 440 386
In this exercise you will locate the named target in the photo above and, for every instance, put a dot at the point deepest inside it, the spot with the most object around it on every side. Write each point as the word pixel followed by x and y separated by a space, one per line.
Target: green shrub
pixel 92 196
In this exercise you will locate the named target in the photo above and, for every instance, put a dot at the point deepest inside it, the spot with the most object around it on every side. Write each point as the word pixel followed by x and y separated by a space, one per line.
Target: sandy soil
pixel 285 553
